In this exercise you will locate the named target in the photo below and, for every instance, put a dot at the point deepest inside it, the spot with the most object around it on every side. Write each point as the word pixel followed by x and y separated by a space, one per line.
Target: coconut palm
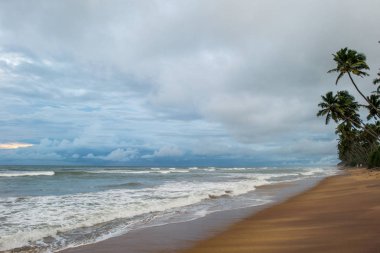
pixel 373 112
pixel 349 62
pixel 350 113
pixel 330 108
pixel 349 108
pixel 348 148
pixel 339 107
pixel 342 107
pixel 356 139
pixel 354 146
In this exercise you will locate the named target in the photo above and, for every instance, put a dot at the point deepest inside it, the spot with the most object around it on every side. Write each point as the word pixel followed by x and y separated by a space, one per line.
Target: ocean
pixel 47 209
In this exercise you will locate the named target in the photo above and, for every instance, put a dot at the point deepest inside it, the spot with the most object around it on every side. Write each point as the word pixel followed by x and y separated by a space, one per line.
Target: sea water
pixel 46 209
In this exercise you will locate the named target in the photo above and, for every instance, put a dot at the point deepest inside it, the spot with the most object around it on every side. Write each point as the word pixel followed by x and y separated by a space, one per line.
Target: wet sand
pixel 340 214
pixel 175 237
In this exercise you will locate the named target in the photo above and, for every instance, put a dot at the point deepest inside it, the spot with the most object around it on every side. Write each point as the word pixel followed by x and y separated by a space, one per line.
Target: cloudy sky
pixel 208 82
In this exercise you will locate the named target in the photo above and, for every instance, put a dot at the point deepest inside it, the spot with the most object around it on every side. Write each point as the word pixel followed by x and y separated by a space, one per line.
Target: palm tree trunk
pixel 360 152
pixel 365 98
pixel 356 152
pixel 363 127
pixel 374 134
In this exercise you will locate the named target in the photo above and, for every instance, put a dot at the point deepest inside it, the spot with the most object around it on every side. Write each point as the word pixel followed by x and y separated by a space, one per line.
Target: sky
pixel 175 83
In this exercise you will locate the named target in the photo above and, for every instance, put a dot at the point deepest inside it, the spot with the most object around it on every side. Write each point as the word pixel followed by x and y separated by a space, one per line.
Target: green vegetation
pixel 358 140
pixel 374 159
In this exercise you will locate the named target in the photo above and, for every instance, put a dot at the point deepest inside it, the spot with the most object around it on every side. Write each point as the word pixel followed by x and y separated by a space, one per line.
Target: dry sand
pixel 341 214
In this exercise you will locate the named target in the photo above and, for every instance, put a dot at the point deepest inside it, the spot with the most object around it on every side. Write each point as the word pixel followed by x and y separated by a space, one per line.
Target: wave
pixel 118 172
pixel 126 185
pixel 318 172
pixel 26 217
pixel 26 173
pixel 153 171
pixel 224 195
pixel 237 169
pixel 66 213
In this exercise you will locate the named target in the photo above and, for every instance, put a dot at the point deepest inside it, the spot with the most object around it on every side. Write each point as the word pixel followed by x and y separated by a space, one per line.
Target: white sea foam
pixel 38 217
pixel 28 219
pixel 318 171
pixel 25 173
pixel 237 169
pixel 152 171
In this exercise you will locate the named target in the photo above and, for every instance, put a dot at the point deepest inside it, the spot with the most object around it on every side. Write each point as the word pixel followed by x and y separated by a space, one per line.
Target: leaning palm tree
pixel 339 107
pixel 329 108
pixel 350 108
pixel 342 107
pixel 350 62
pixel 373 112
pixel 348 140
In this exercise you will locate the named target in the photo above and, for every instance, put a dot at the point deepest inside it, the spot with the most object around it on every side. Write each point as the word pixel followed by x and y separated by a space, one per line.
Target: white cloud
pixel 121 154
pixel 166 151
pixel 13 59
pixel 117 155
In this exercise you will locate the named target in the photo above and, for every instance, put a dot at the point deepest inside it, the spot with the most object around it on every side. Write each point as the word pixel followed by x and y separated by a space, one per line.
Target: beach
pixel 201 126
pixel 49 209
pixel 175 237
pixel 340 214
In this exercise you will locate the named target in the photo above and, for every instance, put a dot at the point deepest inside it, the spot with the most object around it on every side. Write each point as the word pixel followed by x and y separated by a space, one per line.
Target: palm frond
pixel 377 80
pixel 339 77
pixel 333 70
pixel 328 117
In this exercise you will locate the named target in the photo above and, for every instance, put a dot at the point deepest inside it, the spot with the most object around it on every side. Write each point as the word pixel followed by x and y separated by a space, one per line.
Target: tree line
pixel 358 139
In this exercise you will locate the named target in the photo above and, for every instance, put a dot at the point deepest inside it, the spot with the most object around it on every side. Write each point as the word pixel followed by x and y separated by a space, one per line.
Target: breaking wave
pixel 26 173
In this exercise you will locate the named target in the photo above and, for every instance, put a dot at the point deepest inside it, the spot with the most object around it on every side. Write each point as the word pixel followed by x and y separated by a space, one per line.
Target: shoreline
pixel 340 214
pixel 176 237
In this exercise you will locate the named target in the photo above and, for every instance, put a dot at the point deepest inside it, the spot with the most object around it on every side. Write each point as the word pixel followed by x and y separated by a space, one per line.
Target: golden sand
pixel 341 214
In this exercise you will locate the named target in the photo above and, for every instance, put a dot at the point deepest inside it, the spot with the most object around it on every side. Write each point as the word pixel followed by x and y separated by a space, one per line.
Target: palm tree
pixel 342 107
pixel 354 146
pixel 351 62
pixel 350 113
pixel 348 148
pixel 375 101
pixel 329 108
pixel 339 107
pixel 349 108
